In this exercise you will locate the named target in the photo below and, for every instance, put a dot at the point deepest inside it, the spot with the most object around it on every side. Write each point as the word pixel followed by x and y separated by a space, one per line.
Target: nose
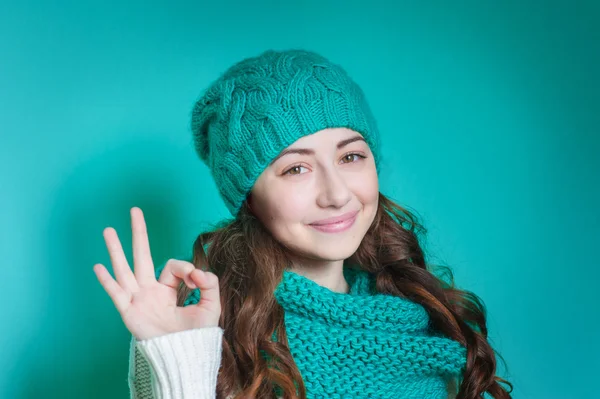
pixel 334 190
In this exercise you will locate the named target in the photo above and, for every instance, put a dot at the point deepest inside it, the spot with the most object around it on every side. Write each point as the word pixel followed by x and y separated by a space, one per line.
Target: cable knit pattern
pixel 140 376
pixel 263 104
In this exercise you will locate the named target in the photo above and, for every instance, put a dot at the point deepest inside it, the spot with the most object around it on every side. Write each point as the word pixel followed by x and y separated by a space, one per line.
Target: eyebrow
pixel 308 151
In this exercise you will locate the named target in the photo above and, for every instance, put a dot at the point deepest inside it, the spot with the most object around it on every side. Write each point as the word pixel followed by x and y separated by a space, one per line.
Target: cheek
pixel 287 207
pixel 366 188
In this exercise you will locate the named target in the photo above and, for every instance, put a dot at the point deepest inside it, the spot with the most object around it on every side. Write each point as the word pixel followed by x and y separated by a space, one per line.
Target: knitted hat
pixel 263 104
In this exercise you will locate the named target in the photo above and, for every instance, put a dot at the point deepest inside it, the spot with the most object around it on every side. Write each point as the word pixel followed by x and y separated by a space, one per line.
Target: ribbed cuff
pixel 185 363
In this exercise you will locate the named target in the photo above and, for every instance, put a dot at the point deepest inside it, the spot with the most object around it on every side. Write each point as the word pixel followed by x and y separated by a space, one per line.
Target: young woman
pixel 318 287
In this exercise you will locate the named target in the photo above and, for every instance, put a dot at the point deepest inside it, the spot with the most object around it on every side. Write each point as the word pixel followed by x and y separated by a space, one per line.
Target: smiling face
pixel 324 175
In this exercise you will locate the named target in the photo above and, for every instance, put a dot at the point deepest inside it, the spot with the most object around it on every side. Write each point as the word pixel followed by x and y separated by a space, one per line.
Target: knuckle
pixel 213 278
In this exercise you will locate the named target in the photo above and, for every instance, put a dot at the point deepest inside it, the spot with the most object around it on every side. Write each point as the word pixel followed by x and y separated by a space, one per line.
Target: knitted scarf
pixel 364 343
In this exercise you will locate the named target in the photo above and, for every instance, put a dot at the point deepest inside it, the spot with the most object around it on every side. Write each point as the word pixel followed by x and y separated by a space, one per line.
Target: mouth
pixel 337 226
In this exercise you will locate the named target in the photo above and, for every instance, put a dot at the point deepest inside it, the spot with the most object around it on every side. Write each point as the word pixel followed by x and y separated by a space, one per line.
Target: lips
pixel 337 219
pixel 340 223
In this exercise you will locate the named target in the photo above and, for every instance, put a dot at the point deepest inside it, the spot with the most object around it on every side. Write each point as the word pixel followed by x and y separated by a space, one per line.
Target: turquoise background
pixel 489 113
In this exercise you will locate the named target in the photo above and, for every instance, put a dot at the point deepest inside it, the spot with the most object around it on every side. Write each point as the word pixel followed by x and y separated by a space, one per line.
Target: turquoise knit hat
pixel 263 104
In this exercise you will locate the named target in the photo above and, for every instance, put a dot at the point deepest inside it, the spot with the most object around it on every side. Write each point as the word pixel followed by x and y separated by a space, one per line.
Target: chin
pixel 336 256
pixel 333 250
pixel 334 246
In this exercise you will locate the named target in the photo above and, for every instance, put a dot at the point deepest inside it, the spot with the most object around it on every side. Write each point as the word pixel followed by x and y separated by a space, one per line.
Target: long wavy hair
pixel 250 262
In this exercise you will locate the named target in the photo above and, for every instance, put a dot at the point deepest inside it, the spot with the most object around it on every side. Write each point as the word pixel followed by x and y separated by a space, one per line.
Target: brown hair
pixel 250 263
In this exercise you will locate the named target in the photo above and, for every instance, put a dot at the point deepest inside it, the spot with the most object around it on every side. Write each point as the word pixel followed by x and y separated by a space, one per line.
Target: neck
pixel 328 274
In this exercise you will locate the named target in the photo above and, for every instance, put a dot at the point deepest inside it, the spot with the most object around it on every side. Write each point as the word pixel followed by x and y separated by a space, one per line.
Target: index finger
pixel 143 266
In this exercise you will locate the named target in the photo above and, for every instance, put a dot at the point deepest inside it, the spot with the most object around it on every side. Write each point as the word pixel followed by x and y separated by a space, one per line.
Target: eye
pixel 351 157
pixel 294 169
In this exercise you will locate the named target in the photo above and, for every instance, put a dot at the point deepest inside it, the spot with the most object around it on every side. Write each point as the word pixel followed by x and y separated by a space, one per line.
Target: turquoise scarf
pixel 364 343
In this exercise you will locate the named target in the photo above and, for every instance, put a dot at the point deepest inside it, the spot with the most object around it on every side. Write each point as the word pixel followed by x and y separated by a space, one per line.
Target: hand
pixel 149 307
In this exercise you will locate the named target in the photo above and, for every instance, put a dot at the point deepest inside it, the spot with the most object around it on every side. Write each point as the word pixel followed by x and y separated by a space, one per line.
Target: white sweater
pixel 178 365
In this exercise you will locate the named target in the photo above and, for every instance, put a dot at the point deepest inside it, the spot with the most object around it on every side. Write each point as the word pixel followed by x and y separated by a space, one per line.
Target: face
pixel 325 175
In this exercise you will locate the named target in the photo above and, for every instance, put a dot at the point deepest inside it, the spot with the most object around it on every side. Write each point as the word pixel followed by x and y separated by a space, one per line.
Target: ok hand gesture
pixel 149 307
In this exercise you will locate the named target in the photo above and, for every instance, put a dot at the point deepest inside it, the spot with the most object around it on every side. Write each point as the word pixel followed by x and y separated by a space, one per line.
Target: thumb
pixel 208 284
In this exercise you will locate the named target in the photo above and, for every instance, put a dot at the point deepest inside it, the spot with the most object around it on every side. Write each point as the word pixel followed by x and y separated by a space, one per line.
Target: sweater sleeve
pixel 178 365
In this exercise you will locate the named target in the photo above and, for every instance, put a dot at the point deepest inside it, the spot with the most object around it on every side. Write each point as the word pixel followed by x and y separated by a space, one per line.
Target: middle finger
pixel 143 266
